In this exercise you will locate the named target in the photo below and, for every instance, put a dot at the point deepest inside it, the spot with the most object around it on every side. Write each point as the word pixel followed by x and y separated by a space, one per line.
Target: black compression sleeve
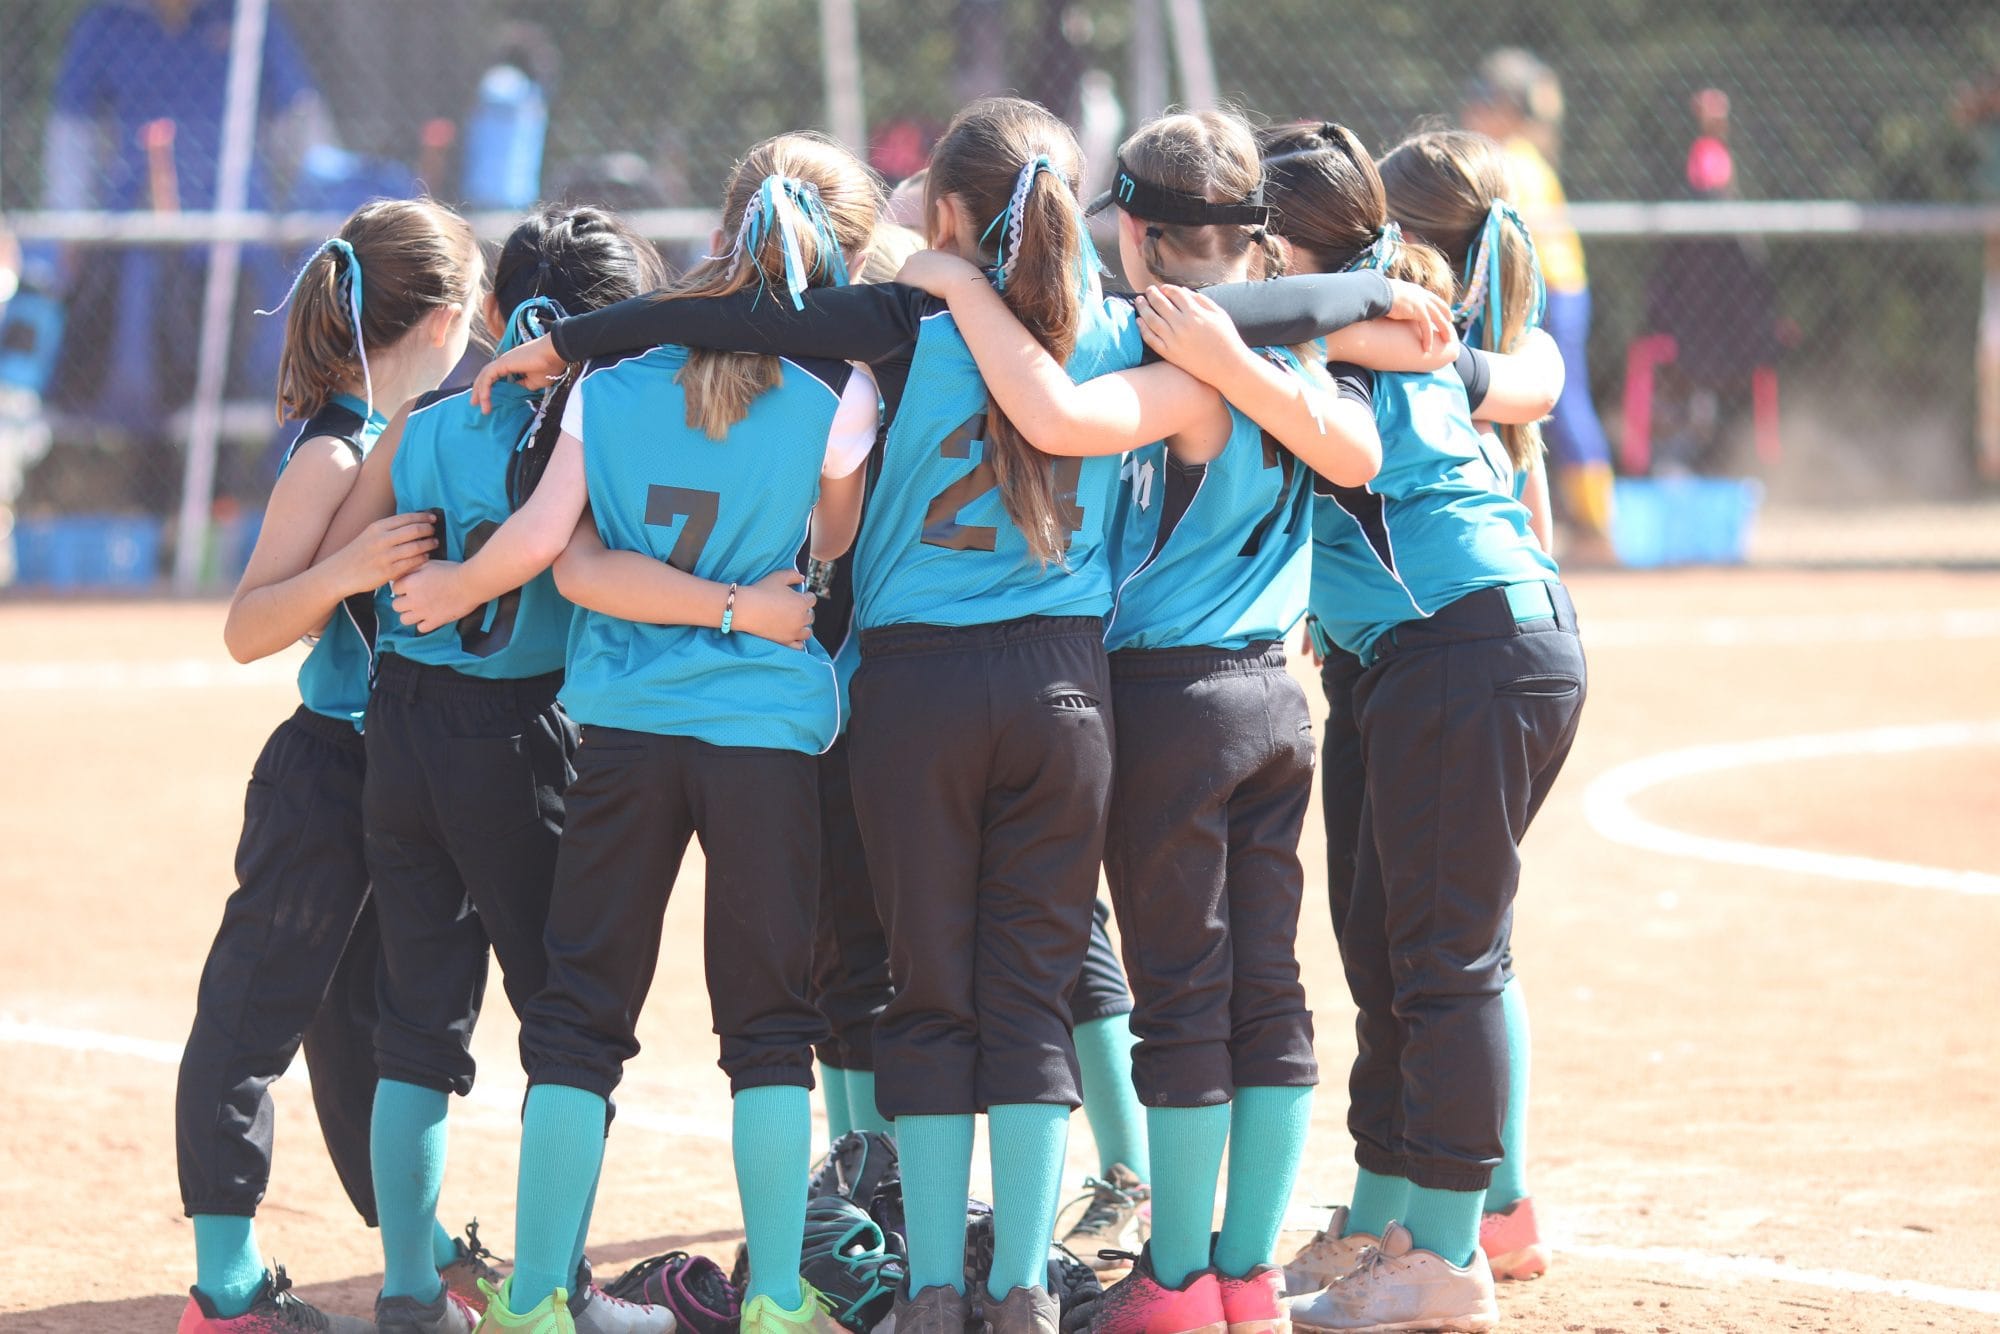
pixel 869 323
pixel 1297 310
pixel 1475 367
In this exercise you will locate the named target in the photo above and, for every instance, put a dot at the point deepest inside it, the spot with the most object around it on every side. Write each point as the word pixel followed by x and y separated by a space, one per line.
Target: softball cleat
pixel 1328 1256
pixel 275 1310
pixel 1513 1242
pixel 1398 1287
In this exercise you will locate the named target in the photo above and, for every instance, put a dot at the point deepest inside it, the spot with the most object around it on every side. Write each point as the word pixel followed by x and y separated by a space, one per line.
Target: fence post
pixel 1193 53
pixel 840 55
pixel 1150 90
pixel 218 306
pixel 1989 364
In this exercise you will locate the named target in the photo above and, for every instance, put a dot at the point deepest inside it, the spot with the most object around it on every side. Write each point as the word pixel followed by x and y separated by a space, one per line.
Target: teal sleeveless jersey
pixel 1211 556
pixel 730 510
pixel 937 546
pixel 459 462
pixel 333 680
pixel 1437 522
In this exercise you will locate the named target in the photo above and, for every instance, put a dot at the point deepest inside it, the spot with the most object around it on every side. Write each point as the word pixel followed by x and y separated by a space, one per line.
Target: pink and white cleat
pixel 1513 1242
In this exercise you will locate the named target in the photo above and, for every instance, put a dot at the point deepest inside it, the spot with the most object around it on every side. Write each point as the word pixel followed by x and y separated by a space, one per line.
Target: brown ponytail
pixel 1330 203
pixel 1441 186
pixel 720 386
pixel 414 255
pixel 979 161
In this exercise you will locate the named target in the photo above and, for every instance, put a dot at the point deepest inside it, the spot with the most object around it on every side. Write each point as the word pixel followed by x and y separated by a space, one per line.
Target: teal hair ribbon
pixel 1483 280
pixel 1009 253
pixel 350 281
pixel 765 214
pixel 530 320
pixel 1382 252
pixel 1013 217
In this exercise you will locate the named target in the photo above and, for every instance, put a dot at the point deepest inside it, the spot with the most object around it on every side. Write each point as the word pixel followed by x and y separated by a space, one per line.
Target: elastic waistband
pixel 1487 614
pixel 1195 661
pixel 899 640
pixel 338 731
pixel 400 676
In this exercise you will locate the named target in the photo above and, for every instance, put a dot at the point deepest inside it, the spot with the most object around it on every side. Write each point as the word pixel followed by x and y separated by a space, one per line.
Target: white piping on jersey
pixel 1159 547
pixel 438 403
pixel 1388 568
pixel 814 378
pixel 620 361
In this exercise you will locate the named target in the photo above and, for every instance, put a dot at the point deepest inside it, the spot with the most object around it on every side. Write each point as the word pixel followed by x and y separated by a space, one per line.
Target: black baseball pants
pixel 982 769
pixel 1464 721
pixel 293 963
pixel 851 953
pixel 1215 761
pixel 464 811
pixel 636 801
pixel 1100 991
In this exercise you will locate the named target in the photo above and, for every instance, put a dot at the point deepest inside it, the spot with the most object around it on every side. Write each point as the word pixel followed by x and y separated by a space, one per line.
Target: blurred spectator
pixel 1517 100
pixel 136 124
pixel 1713 295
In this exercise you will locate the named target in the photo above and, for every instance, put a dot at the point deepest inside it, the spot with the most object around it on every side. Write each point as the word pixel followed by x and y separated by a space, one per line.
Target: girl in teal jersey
pixel 982 747
pixel 1432 578
pixel 469 757
pixel 680 474
pixel 378 314
pixel 1209 562
pixel 1451 188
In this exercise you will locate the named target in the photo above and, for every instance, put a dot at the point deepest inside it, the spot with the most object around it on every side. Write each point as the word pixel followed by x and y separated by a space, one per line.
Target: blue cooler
pixel 1684 520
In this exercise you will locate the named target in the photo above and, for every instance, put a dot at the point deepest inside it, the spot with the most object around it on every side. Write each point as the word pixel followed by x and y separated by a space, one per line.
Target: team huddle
pixel 921 578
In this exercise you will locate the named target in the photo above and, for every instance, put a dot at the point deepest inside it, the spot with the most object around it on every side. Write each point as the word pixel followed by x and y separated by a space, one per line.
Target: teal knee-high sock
pixel 227 1267
pixel 1510 1178
pixel 444 1246
pixel 562 1150
pixel 583 1228
pixel 935 1154
pixel 406 1152
pixel 1190 1140
pixel 1117 1122
pixel 772 1142
pixel 833 1091
pixel 1028 1140
pixel 1267 1137
pixel 1445 1221
pixel 1378 1201
pixel 861 1103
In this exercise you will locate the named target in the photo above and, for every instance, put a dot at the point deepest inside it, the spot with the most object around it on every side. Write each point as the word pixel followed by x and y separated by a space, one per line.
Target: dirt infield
pixel 1766 1092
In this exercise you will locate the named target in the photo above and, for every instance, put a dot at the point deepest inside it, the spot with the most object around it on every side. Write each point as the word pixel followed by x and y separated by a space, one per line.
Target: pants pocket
pixel 1544 686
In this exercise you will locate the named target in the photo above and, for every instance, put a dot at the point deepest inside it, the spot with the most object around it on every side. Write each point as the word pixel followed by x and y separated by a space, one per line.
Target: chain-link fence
pixel 1835 356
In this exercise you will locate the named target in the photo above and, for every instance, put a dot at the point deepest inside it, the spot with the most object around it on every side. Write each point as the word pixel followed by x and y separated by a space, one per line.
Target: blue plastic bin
pixel 87 551
pixel 1684 520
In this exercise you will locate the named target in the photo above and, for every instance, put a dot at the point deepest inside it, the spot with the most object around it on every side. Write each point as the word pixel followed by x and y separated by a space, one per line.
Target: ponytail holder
pixel 1009 251
pixel 350 279
pixel 1382 252
pixel 776 196
pixel 1483 279
pixel 531 319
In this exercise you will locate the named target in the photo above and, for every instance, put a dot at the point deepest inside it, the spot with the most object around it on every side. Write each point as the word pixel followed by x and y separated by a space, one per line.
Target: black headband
pixel 1156 203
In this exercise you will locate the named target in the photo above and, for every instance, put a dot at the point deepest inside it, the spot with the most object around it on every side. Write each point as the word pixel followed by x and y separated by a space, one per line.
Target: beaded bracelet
pixel 729 611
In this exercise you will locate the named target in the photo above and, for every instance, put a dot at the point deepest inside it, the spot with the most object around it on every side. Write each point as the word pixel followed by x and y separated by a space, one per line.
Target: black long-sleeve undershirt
pixel 878 323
